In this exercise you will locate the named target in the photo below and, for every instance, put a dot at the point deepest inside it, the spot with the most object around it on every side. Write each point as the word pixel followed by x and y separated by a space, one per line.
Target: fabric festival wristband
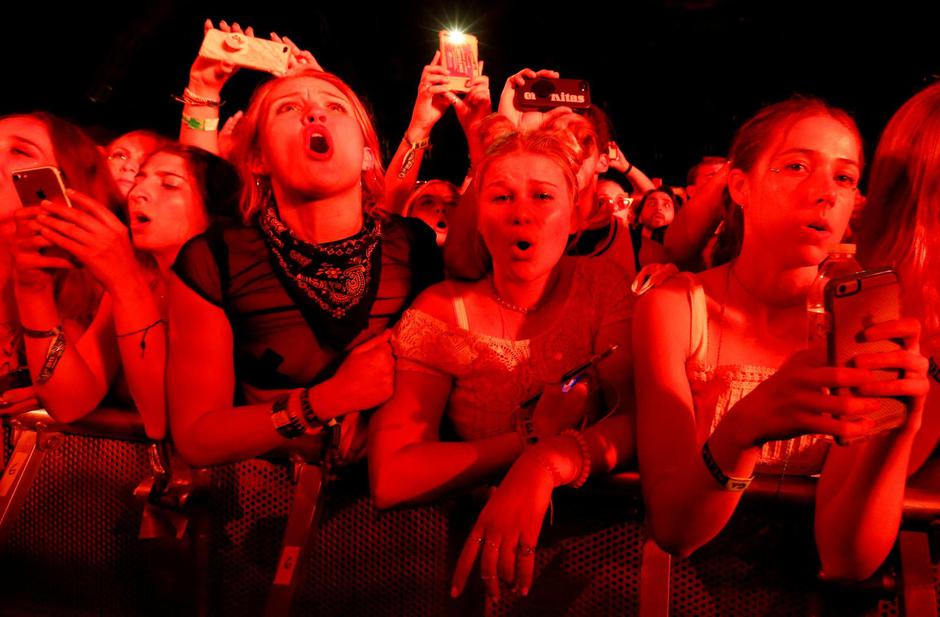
pixel 200 124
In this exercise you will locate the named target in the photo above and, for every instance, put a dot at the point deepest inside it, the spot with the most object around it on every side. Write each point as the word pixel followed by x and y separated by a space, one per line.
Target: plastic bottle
pixel 839 262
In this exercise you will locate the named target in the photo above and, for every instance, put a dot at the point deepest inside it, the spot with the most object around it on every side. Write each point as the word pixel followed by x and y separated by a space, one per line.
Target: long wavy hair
pixel 900 223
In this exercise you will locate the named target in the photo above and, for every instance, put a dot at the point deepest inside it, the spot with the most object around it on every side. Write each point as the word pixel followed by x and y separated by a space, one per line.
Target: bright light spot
pixel 456 37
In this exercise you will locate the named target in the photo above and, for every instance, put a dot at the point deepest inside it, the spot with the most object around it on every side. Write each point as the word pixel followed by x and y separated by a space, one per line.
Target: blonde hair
pixel 255 188
pixel 465 252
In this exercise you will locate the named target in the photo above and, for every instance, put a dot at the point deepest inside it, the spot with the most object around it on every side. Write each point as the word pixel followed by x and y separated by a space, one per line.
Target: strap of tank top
pixel 460 308
pixel 654 275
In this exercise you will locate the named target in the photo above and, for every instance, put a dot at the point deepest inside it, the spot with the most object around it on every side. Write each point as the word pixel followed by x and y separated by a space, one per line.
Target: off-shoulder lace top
pixel 491 375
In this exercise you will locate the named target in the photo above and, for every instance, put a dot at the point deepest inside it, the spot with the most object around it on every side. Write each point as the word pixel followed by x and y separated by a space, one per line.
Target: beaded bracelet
pixel 191 98
pixel 585 471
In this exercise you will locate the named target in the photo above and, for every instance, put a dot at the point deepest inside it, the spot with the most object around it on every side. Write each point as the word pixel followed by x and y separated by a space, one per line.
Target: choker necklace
pixel 522 309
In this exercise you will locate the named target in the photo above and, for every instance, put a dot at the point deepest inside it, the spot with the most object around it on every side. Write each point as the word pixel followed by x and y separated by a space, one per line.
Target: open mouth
pixel 817 227
pixel 319 142
pixel 523 245
pixel 139 218
pixel 441 225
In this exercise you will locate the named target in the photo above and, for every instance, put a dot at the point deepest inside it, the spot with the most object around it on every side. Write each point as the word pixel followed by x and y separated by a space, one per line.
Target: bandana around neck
pixel 334 283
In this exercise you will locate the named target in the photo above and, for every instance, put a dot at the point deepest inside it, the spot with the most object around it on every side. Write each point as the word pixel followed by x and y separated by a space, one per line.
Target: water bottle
pixel 840 261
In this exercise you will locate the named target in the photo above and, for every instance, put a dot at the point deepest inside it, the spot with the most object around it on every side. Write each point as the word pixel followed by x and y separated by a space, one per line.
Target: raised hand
pixel 434 97
pixel 472 109
pixel 208 76
pixel 299 59
pixel 526 120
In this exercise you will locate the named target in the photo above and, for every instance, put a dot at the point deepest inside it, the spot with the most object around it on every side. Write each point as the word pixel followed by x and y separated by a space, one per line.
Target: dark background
pixel 676 76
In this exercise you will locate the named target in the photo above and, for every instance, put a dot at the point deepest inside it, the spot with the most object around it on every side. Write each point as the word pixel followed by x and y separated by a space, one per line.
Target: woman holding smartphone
pixel 469 354
pixel 42 291
pixel 725 389
pixel 168 204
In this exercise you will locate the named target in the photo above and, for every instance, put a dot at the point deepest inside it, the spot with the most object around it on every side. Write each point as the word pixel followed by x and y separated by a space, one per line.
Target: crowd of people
pixel 250 286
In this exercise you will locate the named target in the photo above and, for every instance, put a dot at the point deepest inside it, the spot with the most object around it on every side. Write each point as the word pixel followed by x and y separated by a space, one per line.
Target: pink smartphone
pixel 459 56
pixel 854 303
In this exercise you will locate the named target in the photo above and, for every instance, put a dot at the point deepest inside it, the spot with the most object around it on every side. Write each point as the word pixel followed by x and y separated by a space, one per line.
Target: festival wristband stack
pixel 287 417
pixel 53 352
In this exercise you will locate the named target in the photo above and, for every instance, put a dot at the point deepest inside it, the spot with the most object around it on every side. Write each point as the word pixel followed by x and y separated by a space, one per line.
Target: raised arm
pixel 696 222
pixel 638 180
pixel 432 101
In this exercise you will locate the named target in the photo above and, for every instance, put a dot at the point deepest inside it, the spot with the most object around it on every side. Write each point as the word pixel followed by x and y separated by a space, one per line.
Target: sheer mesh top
pixel 490 375
pixel 230 266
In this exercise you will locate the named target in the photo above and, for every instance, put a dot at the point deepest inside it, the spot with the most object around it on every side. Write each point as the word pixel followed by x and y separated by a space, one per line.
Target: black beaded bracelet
pixel 729 483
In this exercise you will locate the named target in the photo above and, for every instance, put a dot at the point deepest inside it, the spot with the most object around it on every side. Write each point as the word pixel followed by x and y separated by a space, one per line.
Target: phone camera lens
pixel 841 289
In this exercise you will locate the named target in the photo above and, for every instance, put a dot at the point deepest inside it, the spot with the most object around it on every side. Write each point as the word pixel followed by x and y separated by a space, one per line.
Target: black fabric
pixel 593 242
pixel 275 345
pixel 334 283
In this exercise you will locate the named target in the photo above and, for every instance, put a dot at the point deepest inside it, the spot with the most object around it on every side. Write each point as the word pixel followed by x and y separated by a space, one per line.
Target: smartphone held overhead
pixel 545 93
pixel 246 51
pixel 459 55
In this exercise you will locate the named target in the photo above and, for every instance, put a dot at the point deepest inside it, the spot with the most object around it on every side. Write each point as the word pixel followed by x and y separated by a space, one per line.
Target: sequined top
pixel 492 375
pixel 716 388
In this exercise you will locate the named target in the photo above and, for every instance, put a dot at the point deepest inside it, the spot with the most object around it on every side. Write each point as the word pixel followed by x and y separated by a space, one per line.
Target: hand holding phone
pixel 546 93
pixel 854 303
pixel 39 184
pixel 246 51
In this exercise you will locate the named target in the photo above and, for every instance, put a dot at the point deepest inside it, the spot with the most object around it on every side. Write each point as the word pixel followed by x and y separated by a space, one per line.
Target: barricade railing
pixel 77 541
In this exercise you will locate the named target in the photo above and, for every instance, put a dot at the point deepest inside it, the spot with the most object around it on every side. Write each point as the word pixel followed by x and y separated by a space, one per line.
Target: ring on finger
pixel 488 578
pixel 491 544
pixel 525 550
pixel 477 539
